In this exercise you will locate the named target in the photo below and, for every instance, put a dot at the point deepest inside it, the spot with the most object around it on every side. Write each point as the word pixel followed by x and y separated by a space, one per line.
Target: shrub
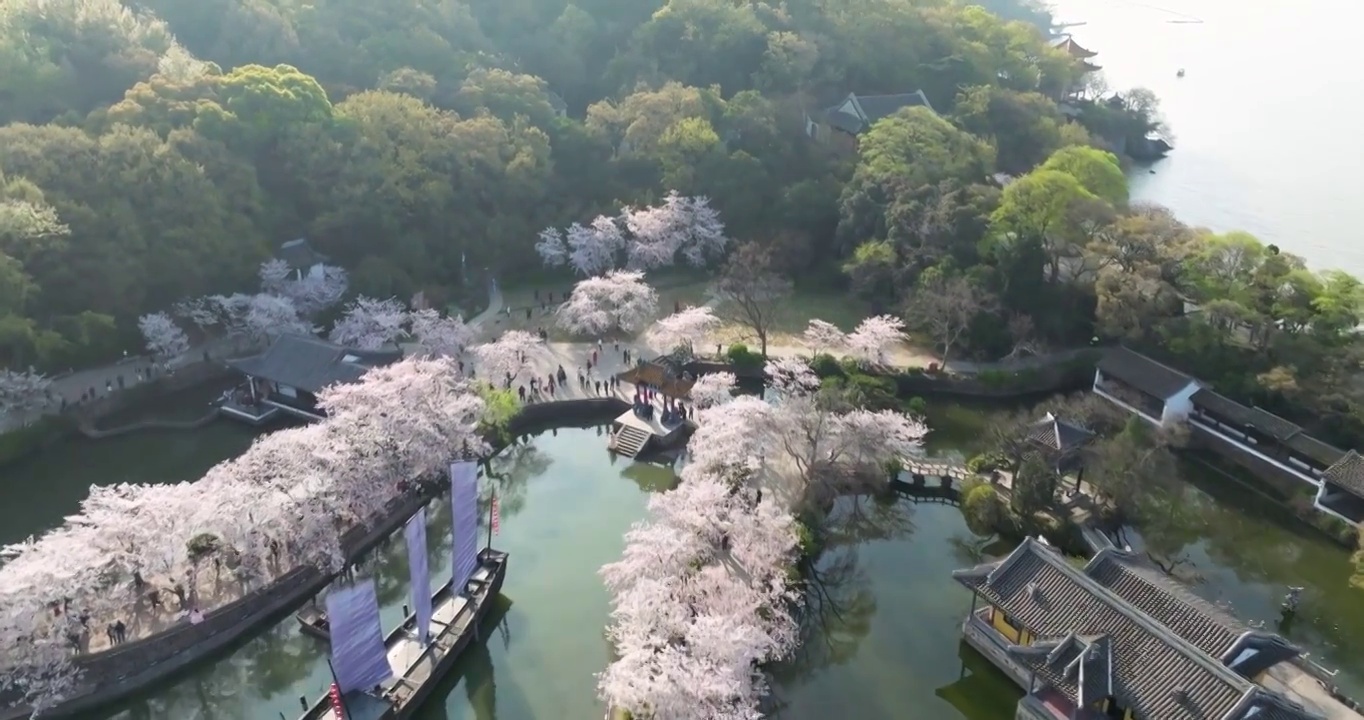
pixel 744 359
pixel 987 462
pixel 917 405
pixel 983 509
pixel 826 365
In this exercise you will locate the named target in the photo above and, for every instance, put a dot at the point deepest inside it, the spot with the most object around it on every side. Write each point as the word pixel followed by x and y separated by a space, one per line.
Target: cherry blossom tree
pixel 264 316
pixel 259 317
pixel 682 329
pixel 22 392
pixel 283 504
pixel 618 300
pixel 506 355
pixel 313 292
pixel 874 336
pixel 713 389
pixel 639 239
pixel 700 598
pixel 369 324
pixel 164 338
pixel 824 337
pixel 438 334
pixel 589 249
pixel 688 225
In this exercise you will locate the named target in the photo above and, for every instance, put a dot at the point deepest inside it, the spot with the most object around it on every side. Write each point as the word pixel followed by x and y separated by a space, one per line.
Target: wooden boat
pixel 312 620
pixel 417 669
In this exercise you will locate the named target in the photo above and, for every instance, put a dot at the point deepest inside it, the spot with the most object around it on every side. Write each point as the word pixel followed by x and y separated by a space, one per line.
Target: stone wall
pixel 133 666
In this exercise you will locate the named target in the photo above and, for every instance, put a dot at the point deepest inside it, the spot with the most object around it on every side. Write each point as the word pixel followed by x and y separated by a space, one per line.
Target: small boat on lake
pixel 418 667
pixel 388 677
pixel 312 620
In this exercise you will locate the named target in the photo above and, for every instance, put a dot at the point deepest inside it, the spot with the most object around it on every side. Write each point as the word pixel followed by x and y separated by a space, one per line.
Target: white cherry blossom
pixel 618 300
pixel 164 338
pixel 685 328
pixel 369 324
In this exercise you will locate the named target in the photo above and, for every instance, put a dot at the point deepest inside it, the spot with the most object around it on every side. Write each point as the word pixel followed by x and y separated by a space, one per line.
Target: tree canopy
pixel 157 151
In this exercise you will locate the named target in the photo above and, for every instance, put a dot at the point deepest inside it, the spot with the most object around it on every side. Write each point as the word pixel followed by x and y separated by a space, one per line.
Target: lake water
pixel 882 639
pixel 1265 118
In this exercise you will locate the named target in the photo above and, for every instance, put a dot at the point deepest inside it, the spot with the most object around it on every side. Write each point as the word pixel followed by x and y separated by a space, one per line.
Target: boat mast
pixel 491 506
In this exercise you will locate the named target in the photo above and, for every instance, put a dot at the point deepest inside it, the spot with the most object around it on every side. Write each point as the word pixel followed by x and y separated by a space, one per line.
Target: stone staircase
pixel 630 440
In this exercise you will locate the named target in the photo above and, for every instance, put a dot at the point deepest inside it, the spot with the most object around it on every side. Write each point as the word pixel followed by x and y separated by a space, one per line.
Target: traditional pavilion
pixel 1120 639
pixel 288 376
pixel 1081 56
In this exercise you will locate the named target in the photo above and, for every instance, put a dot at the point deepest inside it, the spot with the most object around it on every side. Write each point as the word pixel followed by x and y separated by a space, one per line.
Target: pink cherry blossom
pixel 874 337
pixel 507 355
pixel 824 337
pixel 618 300
pixel 22 392
pixel 164 338
pixel 436 334
pixel 369 324
pixel 686 328
pixel 282 504
pixel 713 389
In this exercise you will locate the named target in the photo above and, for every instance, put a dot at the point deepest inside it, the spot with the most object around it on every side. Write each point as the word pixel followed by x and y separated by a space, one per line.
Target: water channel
pixel 882 637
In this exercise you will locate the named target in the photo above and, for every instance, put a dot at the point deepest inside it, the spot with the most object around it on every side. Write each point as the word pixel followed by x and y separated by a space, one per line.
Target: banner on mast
pixel 415 533
pixel 464 527
pixel 359 658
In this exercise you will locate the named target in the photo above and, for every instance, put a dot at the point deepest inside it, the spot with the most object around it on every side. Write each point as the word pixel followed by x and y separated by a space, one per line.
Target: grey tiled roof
pixel 871 108
pixel 1308 446
pixel 310 363
pixel 1156 673
pixel 1137 581
pixel 299 254
pixel 1143 373
pixel 1057 434
pixel 1232 411
pixel 1348 474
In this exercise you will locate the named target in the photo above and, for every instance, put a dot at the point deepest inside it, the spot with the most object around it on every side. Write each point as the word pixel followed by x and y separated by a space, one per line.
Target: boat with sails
pixel 388 677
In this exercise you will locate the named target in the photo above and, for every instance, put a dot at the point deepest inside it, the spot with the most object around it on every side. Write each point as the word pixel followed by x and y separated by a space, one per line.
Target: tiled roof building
pixel 1118 639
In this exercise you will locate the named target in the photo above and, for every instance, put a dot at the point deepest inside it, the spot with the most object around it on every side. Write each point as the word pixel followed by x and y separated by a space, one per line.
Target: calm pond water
pixel 882 627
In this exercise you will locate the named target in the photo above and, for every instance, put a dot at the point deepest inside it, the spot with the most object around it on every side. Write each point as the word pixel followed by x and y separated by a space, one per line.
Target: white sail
pixel 359 658
pixel 464 507
pixel 415 533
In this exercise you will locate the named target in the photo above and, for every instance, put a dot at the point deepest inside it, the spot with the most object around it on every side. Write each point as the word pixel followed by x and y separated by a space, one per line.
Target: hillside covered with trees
pixel 157 150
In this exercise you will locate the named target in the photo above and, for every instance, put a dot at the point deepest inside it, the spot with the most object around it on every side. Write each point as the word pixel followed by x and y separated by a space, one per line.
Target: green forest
pixel 156 150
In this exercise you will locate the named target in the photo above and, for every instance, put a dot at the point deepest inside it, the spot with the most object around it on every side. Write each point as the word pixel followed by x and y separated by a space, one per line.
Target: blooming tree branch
pixel 507 355
pixel 682 329
pixel 281 505
pixel 164 338
pixel 440 335
pixel 22 392
pixel 618 300
pixel 369 324
pixel 821 337
pixel 874 337
pixel 702 596
pixel 713 389
pixel 688 226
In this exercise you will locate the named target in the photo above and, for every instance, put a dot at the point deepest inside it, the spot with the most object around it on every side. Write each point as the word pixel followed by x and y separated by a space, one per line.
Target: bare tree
pixel 751 292
pixel 943 307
